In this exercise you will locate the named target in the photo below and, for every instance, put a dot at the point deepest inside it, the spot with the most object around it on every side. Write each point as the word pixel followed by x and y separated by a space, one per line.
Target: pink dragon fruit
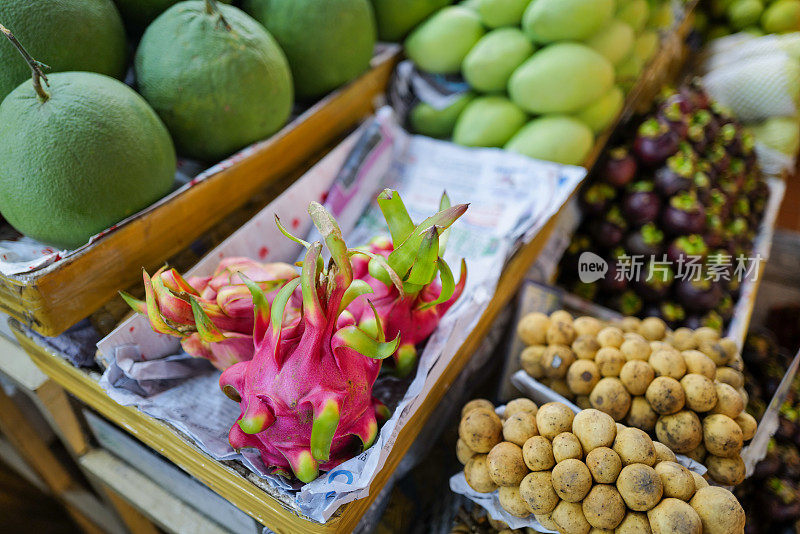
pixel 225 333
pixel 412 306
pixel 306 396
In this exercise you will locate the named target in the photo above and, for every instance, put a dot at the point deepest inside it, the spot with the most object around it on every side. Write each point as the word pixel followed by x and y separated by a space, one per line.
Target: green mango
pixel 635 13
pixel 547 21
pixel 600 114
pixel 782 17
pixel 557 138
pixel 440 44
pixel 744 13
pixel 499 13
pixel 615 41
pixel 561 78
pixel 427 120
pixel 488 121
pixel 646 45
pixel 490 63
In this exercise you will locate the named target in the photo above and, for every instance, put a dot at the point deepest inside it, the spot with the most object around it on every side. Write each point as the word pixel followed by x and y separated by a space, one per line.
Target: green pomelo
pixel 470 4
pixel 743 13
pixel 635 13
pixel 137 14
pixel 490 63
pixel 395 18
pixel 427 120
pixel 441 43
pixel 646 45
pixel 600 114
pixel 561 78
pixel 498 13
pixel 782 17
pixel 554 138
pixel 64 35
pixel 488 121
pixel 216 88
pixel 628 72
pixel 614 41
pixel 328 43
pixel 779 133
pixel 90 155
pixel 546 21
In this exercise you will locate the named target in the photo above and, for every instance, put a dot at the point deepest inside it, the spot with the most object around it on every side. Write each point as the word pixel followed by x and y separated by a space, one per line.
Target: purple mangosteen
pixel 585 290
pixel 655 282
pixel 696 94
pixel 609 230
pixel 685 247
pixel 646 241
pixel 641 204
pixel 569 261
pixel 596 198
pixel 702 186
pixel 714 234
pixel 628 303
pixel 655 142
pixel 672 313
pixel 675 111
pixel 719 159
pixel 725 307
pixel 676 175
pixel 613 281
pixel 620 167
pixel 683 215
pixel 698 295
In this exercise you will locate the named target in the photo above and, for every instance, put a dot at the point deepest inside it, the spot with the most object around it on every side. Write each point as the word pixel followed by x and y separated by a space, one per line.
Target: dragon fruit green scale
pixel 306 396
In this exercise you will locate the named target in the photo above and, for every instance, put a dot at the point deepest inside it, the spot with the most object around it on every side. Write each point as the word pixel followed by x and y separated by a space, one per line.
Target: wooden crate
pixel 52 299
pixel 229 482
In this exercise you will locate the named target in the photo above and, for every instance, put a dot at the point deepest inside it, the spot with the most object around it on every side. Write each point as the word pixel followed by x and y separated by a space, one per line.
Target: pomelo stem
pixel 36 66
pixel 212 8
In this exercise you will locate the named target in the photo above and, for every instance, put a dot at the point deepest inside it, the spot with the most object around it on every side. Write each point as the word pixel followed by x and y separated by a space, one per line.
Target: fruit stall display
pixel 543 78
pixel 569 473
pixel 684 185
pixel 258 105
pixel 327 357
pixel 685 387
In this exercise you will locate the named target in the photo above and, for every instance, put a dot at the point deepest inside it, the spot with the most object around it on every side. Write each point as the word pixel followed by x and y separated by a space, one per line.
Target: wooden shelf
pixel 54 298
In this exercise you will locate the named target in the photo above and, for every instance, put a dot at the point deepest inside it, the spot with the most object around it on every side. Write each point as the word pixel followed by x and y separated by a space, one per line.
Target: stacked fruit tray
pixel 545 467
